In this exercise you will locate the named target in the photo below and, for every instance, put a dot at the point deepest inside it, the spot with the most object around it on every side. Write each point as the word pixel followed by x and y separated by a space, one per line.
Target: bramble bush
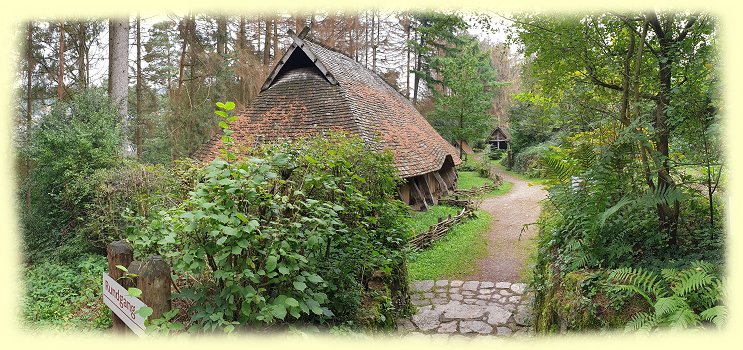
pixel 298 231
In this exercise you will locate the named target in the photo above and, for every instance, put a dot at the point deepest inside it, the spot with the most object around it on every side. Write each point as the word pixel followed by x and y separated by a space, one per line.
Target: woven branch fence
pixel 461 198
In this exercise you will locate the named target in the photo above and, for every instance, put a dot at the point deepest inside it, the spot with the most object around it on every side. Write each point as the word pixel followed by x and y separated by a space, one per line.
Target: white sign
pixel 117 299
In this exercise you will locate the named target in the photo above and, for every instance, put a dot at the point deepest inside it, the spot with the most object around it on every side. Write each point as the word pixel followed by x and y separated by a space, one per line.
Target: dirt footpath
pixel 507 253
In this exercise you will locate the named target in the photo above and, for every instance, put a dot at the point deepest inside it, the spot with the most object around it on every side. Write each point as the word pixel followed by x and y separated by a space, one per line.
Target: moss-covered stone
pixel 581 301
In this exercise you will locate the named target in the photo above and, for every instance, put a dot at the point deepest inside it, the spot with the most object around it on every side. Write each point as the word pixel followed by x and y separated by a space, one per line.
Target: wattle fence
pixel 467 200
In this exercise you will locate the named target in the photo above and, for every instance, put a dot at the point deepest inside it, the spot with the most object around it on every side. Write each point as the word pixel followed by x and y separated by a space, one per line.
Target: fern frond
pixel 684 318
pixel 670 275
pixel 557 168
pixel 609 212
pixel 642 321
pixel 717 315
pixel 644 281
pixel 691 280
pixel 664 195
pixel 669 305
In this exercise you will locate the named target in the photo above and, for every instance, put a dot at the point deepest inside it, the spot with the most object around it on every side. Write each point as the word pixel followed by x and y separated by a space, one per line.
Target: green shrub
pixel 65 295
pixel 134 191
pixel 293 231
pixel 66 147
pixel 528 160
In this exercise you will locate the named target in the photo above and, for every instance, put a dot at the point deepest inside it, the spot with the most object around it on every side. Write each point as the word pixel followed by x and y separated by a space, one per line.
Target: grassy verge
pixel 470 179
pixel 456 254
pixel 421 220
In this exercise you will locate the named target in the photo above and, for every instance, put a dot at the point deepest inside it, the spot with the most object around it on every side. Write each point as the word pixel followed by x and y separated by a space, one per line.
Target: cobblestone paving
pixel 461 309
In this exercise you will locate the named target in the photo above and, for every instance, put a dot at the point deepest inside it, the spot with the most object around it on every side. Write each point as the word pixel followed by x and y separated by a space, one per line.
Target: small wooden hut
pixel 499 139
pixel 313 89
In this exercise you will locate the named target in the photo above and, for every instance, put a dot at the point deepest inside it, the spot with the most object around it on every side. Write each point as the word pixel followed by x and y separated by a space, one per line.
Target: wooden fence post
pixel 153 279
pixel 119 253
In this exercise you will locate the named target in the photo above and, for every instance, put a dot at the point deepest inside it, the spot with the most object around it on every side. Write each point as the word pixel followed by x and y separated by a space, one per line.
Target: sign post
pixel 117 298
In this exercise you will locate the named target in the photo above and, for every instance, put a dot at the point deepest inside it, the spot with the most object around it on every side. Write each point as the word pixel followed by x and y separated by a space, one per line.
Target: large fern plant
pixel 683 299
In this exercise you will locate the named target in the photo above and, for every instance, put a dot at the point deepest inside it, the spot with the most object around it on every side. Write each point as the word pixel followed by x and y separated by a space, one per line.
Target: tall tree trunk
pixel 644 147
pixel 416 80
pixel 60 76
pixel 624 109
pixel 366 39
pixel 183 28
pixel 221 35
pixel 242 46
pixel 668 213
pixel 267 43
pixel 275 37
pixel 138 123
pixel 374 44
pixel 119 52
pixel 82 52
pixel 29 99
pixel 406 26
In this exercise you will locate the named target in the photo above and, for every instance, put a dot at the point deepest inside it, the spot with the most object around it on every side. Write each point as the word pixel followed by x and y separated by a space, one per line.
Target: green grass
pixel 470 179
pixel 456 254
pixel 504 187
pixel 421 220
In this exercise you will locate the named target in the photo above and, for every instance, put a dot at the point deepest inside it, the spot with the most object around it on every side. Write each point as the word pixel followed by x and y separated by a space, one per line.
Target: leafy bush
pixel 298 229
pixel 66 147
pixel 133 191
pixel 528 160
pixel 64 295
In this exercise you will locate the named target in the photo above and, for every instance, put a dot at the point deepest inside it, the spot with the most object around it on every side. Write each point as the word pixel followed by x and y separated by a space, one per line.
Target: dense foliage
pixel 292 231
pixel 620 112
pixel 67 147
pixel 65 295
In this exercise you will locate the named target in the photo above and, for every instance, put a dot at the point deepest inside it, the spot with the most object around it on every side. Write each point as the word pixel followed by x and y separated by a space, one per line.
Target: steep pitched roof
pixel 502 131
pixel 314 89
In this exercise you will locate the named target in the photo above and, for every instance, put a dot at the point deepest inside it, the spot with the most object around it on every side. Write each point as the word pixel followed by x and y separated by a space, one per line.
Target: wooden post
pixel 119 253
pixel 153 279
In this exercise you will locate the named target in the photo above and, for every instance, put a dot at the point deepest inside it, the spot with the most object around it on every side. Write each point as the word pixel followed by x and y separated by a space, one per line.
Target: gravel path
pixel 491 302
pixel 508 247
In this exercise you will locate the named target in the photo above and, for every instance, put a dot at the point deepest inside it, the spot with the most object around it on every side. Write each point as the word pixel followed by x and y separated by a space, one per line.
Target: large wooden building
pixel 314 89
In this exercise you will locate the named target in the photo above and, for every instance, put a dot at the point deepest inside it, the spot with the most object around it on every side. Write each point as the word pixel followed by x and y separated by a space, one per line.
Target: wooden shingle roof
pixel 314 89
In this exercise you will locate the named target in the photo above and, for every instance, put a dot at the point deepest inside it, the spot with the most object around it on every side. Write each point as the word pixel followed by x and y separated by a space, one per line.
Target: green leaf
pixel 122 268
pixel 291 302
pixel 144 311
pixel 271 263
pixel 236 250
pixel 229 105
pixel 223 125
pixel 221 240
pixel 241 217
pixel 220 105
pixel 278 311
pixel 283 270
pixel 314 278
pixel 134 292
pixel 300 286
